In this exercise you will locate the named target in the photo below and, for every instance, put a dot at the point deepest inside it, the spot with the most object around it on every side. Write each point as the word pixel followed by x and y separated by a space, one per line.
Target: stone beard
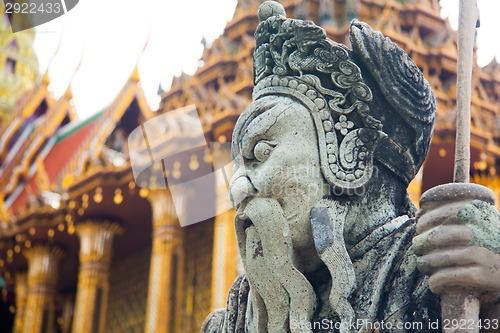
pixel 323 157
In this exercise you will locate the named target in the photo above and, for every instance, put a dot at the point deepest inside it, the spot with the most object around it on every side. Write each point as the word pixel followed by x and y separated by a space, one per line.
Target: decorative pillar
pixel 21 289
pixel 163 312
pixel 225 255
pixel 96 244
pixel 43 271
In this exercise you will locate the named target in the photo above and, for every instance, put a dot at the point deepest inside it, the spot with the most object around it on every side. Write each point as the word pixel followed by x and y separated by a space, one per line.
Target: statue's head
pixel 322 120
pixel 368 106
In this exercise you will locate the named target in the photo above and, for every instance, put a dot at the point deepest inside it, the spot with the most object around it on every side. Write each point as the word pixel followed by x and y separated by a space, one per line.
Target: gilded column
pixel 21 289
pixel 43 271
pixel 224 258
pixel 163 312
pixel 96 244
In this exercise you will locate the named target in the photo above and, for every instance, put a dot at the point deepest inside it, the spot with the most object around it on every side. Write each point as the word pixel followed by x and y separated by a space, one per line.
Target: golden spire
pixel 135 74
pixel 18 66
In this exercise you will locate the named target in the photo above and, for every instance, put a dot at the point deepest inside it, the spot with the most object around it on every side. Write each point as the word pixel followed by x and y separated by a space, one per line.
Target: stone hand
pixel 458 245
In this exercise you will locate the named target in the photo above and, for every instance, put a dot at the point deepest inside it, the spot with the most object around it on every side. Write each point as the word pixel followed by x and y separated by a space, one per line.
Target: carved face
pixel 280 160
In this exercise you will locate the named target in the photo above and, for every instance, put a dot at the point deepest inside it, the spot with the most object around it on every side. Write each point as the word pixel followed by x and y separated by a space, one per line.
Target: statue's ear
pixel 407 92
pixel 398 78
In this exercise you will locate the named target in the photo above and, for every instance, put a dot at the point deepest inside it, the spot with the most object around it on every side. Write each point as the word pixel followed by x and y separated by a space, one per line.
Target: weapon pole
pixel 462 306
pixel 468 17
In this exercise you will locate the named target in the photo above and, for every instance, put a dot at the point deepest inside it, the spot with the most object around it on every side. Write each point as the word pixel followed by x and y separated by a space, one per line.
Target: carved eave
pixel 92 146
pixel 18 168
pixel 25 108
pixel 99 176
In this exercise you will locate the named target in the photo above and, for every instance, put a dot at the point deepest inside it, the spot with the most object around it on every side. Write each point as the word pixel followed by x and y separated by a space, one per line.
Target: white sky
pixel 108 37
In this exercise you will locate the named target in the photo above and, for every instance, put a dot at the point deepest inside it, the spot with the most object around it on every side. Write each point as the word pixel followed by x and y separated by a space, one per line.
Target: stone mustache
pixel 324 154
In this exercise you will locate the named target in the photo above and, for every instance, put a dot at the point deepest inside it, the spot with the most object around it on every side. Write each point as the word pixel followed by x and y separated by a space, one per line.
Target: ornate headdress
pixel 349 94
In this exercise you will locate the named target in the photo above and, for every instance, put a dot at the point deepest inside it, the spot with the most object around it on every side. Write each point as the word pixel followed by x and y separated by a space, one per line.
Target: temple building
pixel 85 247
pixel 18 65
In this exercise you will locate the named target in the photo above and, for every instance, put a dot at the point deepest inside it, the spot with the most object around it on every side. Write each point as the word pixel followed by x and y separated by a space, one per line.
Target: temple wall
pixel 198 246
pixel 129 284
pixel 128 293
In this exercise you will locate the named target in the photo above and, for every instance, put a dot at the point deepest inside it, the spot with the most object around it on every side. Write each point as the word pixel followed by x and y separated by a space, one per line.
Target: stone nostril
pixel 240 189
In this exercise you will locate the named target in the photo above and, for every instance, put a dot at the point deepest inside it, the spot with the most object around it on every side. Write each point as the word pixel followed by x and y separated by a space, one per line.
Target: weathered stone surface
pixel 323 158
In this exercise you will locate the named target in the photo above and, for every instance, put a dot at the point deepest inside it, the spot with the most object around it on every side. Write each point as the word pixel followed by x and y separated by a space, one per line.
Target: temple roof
pixel 59 148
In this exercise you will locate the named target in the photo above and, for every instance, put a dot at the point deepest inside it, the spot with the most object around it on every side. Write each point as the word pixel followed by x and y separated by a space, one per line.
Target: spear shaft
pixel 467 19
pixel 462 306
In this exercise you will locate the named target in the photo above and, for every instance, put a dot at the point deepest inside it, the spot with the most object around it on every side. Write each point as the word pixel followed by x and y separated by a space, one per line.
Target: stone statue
pixel 325 228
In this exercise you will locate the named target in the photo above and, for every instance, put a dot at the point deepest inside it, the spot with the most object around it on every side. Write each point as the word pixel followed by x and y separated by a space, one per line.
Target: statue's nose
pixel 240 188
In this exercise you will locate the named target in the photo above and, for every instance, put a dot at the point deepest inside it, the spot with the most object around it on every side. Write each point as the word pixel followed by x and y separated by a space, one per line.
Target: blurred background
pixel 84 246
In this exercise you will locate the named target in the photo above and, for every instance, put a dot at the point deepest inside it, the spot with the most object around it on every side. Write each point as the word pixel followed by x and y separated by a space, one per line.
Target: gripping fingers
pixel 428 219
pixel 469 277
pixel 454 257
pixel 441 237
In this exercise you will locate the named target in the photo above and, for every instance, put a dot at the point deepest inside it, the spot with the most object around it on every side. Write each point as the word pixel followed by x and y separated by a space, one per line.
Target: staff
pixel 463 304
pixel 467 22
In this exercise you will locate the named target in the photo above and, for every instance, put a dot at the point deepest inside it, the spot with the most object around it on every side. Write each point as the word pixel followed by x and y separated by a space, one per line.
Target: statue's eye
pixel 262 150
